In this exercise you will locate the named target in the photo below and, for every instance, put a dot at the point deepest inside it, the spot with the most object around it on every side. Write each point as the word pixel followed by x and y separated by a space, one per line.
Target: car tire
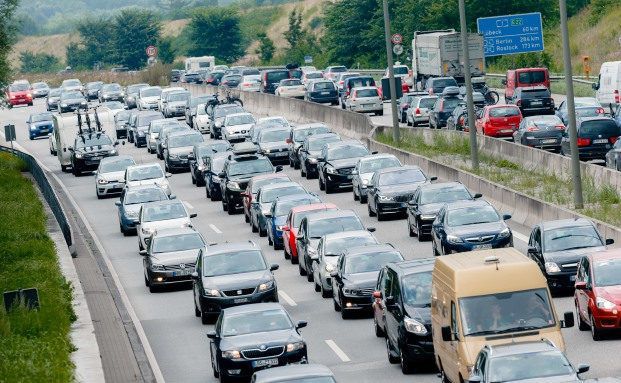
pixel 582 326
pixel 254 227
pixel 230 208
pixel 300 269
pixel 380 216
pixel 380 113
pixel 324 293
pixel 317 287
pixel 344 313
pixel 192 177
pixel 392 359
pixel 363 198
pixel 434 248
pixel 596 333
pixel 153 288
pixel 421 237
pixel 379 332
pixel 269 240
pixel 146 281
pixel 246 218
pixel 322 186
pixel 296 164
pixel 337 307
pixel 356 198
pixel 411 232
pixel 310 277
pixel 328 188
pixel 200 182
pixel 406 365
pixel 371 213
pixel 197 312
pixel 262 232
pixel 206 318
pixel 278 246
pixel 287 255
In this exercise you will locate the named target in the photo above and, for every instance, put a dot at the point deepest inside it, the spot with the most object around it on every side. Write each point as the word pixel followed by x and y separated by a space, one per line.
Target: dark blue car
pixel 39 125
pixel 132 200
pixel 280 210
pixel 469 225
pixel 214 163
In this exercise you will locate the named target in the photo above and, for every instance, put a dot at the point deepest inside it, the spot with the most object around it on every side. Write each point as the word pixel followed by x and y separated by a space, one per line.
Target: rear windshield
pixel 606 128
pixel 505 111
pixel 367 93
pixel 427 102
pixel 324 86
pixel 451 103
pixel 443 83
pixel 314 75
pixel 532 77
pixel 592 111
pixel 358 82
pixel 337 69
pixel 401 70
pixel 535 93
pixel 273 77
pixel 317 144
pixel 292 82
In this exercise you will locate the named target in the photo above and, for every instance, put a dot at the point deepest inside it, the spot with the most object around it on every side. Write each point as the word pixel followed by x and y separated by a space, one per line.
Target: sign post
pixel 511 34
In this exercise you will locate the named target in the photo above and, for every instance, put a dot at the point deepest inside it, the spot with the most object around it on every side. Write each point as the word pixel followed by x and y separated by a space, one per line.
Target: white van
pixel 608 86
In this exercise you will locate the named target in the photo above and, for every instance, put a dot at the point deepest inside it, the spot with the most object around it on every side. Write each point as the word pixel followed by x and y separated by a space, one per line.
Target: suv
pixel 402 312
pixel 596 136
pixel 271 78
pixel 533 100
pixel 444 107
pixel 88 149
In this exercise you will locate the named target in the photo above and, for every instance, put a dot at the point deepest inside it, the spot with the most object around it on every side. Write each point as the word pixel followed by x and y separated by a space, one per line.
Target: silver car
pixel 147 174
pixel 363 172
pixel 159 215
pixel 155 127
pixel 365 99
pixel 420 107
pixel 110 175
pixel 236 127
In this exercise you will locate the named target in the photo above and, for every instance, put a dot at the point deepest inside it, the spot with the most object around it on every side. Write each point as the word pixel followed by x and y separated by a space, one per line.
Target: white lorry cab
pixel 608 86
pixel 194 64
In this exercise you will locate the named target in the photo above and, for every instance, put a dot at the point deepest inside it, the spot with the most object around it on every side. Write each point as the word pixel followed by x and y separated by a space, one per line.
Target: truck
pixel 438 53
pixel 195 64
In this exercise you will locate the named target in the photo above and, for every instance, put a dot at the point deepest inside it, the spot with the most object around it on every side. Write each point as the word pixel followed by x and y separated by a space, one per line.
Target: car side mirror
pixel 334 274
pixel 320 159
pixel 301 324
pixel 371 229
pixel 568 320
pixel 274 267
pixel 190 156
pixel 434 178
pixel 143 252
pixel 506 217
pixel 194 275
pixel 116 143
pixel 447 334
pixel 168 175
pixel 503 82
pixel 279 168
pixel 222 175
pixel 122 142
pixel 580 285
pixel 477 195
pixel 118 203
pixel 212 335
pixel 595 86
pixel 532 250
pixel 172 196
pixel 70 149
pixel 389 301
pixel 288 140
pixel 193 215
pixel 582 368
pixel 375 152
pixel 377 294
pixel 609 241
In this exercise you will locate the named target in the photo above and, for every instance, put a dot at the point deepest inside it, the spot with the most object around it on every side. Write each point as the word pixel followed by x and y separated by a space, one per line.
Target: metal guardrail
pixel 46 189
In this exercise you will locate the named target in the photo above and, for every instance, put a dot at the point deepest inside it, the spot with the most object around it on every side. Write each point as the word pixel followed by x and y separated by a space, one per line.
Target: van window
pixel 532 77
pixel 275 77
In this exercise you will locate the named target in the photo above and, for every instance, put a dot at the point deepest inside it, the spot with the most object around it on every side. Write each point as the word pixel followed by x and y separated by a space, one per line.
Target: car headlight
pixel 552 267
pixel 454 239
pixel 329 267
pixel 131 214
pixel 101 181
pixel 295 346
pixel 351 291
pixel 233 185
pixel 78 155
pixel 506 232
pixel 604 304
pixel 157 267
pixel 201 168
pixel 331 171
pixel 122 94
pixel 211 292
pixel 63 105
pixel 267 151
pixel 147 230
pixel 112 151
pixel 83 103
pixel 312 160
pixel 428 217
pixel 365 182
pixel 385 198
pixel 266 286
pixel 233 354
pixel 414 326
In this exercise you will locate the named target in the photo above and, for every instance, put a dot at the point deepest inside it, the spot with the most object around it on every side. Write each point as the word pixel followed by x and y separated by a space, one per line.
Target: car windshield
pixel 94 86
pixel 163 212
pixel 314 75
pixel 116 165
pixel 526 366
pixel 257 183
pixel 472 215
pixel 400 69
pixel 504 111
pixel 114 105
pixel 569 238
pixel 275 77
pixel 181 242
pixel 607 128
pixel 346 151
pixel 338 69
pixel 196 101
pixel 506 312
pixel 217 164
pixel 366 263
pixel 607 272
pixel 532 77
pixel 274 135
pixel 585 101
pixel 319 228
pixel 39 85
pixel 133 89
pixel 261 165
pixel 41 117
pixel 241 119
pixel 444 195
pixel 450 103
pixel 145 195
pixel 318 143
pixel 123 115
pixel 361 81
pixel 233 263
pixel 291 82
pixel 546 121
pixel 111 88
pixel 301 134
pixel 367 93
pixel 535 93
pixel 254 322
pixel 271 194
pixel 335 246
pixel 150 92
pixel 399 177
pixel 179 97
pixel 427 102
pixel 184 140
pixel 443 83
pixel 70 95
pixel 145 173
pixel 323 86
pixel 55 92
pixel 71 83
pixel 223 112
pixel 417 289
pixel 93 141
pixel 283 207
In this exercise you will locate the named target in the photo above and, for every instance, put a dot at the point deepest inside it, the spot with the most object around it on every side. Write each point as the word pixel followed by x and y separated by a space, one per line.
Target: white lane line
pixel 337 350
pixel 188 205
pixel 287 298
pixel 520 237
pixel 214 228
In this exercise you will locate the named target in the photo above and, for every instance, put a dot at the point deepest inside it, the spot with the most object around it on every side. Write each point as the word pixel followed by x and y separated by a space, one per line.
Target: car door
pixel 301 241
pixel 536 247
pixel 372 188
pixel 286 234
pixel 561 112
pixel 582 297
pixel 394 315
pixel 517 136
pixel 438 231
pixel 255 207
pixel 379 313
pixel 337 282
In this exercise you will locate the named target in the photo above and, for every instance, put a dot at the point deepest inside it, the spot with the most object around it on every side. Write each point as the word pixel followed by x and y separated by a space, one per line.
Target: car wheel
pixel 406 365
pixel 296 164
pixel 287 255
pixel 262 232
pixel 192 177
pixel 581 325
pixel 197 312
pixel 200 182
pixel 324 292
pixel 434 248
pixel 230 208
pixel 224 205
pixel 596 333
pixel 278 246
pixel 254 227
pixel 322 186
pixel 146 281
pixel 337 307
pixel 310 277
pixel 302 171
pixel 300 269
pixel 411 232
pixel 153 288
pixel 379 332
pixel 356 198
pixel 392 359
pixel 363 198
pixel 344 313
pixel 246 218
pixel 269 240
pixel 419 231
pixel 380 216
pixel 328 187
pixel 371 213
pixel 206 318
pixel 317 287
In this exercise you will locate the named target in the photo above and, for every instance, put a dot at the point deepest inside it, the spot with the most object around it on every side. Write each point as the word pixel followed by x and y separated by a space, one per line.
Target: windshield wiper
pixel 574 235
pixel 484 332
pixel 518 328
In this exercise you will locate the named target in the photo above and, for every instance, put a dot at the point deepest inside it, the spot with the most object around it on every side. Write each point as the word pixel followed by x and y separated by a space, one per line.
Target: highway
pixel 348 347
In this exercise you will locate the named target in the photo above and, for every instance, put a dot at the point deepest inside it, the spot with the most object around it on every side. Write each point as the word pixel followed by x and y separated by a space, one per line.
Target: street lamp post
pixel 391 75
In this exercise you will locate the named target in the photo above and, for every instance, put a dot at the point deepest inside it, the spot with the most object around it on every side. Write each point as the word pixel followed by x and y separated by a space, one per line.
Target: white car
pixel 201 121
pixel 307 77
pixel 161 215
pixel 149 98
pixel 250 83
pixel 402 71
pixel 419 110
pixel 147 174
pixel 237 126
pixel 165 93
pixel 290 88
pixel 365 99
pixel 110 175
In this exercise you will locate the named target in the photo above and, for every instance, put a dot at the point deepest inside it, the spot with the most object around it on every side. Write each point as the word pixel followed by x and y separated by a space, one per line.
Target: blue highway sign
pixel 511 34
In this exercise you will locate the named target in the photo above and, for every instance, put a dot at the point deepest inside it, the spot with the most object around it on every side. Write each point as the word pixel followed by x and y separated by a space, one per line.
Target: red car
pixel 19 94
pixel 253 187
pixel 499 120
pixel 598 292
pixel 290 229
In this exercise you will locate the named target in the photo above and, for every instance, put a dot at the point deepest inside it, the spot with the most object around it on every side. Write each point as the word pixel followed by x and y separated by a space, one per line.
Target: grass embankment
pixel 601 201
pixel 34 345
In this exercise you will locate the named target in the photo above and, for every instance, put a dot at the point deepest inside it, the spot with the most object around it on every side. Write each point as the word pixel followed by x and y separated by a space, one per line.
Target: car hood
pixel 344 163
pixel 280 220
pixel 478 229
pixel 273 145
pixel 151 181
pixel 73 100
pixel 399 189
pixel 611 293
pixel 421 314
pixel 361 280
pixel 238 281
pixel 314 153
pixel 112 92
pixel 133 208
pixel 150 98
pixel 430 208
pixel 180 150
pixel 175 104
pixel 112 176
pixel 550 379
pixel 255 340
pixel 176 257
pixel 569 256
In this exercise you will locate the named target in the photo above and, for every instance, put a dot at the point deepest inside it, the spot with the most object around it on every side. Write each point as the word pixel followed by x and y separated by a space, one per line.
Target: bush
pixel 38 62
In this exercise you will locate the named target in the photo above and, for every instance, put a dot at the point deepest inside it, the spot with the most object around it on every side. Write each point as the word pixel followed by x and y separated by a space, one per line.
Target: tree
pixel 295 33
pixel 38 62
pixel 266 48
pixel 166 51
pixel 7 37
pixel 134 30
pixel 76 56
pixel 216 32
pixel 96 36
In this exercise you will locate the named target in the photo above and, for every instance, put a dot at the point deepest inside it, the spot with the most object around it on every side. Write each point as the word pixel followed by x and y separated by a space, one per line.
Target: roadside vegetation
pixel 34 345
pixel 601 201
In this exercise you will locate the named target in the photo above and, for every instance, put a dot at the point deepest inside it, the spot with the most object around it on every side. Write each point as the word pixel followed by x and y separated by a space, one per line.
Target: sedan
pixel 290 88
pixel 337 162
pixel 279 212
pixel 159 215
pixel 110 175
pixel 196 159
pixel 310 152
pixel 261 206
pixel 255 183
pixel 296 139
pixel 545 132
pixel 273 143
pixel 231 80
pixel 364 170
pixel 292 224
pixel 584 106
pixel 52 99
pixel 132 200
pixel 255 337
pixel 213 166
pixel 467 226
pixel 40 125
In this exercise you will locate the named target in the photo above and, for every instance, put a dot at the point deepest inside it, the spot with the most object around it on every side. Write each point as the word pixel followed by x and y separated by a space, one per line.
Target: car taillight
pixel 560 127
pixel 583 141
pixel 600 110
pixel 613 139
pixel 616 93
pixel 532 129
pixel 417 111
pixel 461 120
pixel 28 95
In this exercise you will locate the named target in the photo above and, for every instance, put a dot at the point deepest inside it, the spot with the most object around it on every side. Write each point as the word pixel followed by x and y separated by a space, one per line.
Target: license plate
pixel 506 131
pixel 181 273
pixel 325 93
pixel 96 158
pixel 482 247
pixel 265 362
pixel 536 103
pixel 600 141
pixel 240 300
pixel 551 141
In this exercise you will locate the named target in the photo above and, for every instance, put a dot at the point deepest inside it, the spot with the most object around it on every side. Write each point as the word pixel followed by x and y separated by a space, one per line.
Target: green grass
pixel 602 202
pixel 34 345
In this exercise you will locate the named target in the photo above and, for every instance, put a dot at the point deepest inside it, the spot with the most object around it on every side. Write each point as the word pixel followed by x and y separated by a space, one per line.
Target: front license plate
pixel 240 300
pixel 265 362
pixel 507 130
pixel 552 141
pixel 482 247
pixel 600 141
pixel 95 158
pixel 181 273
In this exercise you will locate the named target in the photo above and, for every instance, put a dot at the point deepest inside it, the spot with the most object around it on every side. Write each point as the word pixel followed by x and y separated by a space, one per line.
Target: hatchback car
pixel 40 125
pixel 21 94
pixel 149 98
pixel 131 201
pixel 533 100
pixel 196 158
pixel 310 152
pixel 40 89
pixel 365 100
pixel 584 107
pixel 278 215
pixel 292 87
pixel 236 127
pixel 266 123
pixel 176 104
pixel 364 170
pixel 171 127
pixel 499 121
pixel 139 126
pixel 443 107
pixel 111 92
pixel 613 156
pixel 110 175
pixel 273 143
pixel 322 91
pixel 469 225
pixel 91 90
pixel 419 110
pixel 159 215
pixel 179 145
pixel 545 132
pixel 337 162
pixel 154 131
pixel 261 205
pixel 147 174
pixel 292 224
pixel 253 186
pixel 596 136
pixel 231 274
pixel 250 83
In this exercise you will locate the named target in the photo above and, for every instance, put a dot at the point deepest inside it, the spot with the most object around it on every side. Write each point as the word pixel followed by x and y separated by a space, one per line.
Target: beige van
pixel 488 297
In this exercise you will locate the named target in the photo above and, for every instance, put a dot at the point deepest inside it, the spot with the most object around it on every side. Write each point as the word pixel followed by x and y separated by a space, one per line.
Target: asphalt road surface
pixel 348 347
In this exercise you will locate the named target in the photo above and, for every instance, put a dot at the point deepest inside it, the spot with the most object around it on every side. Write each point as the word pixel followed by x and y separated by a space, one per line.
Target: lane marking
pixel 188 205
pixel 214 228
pixel 287 298
pixel 337 350
pixel 520 237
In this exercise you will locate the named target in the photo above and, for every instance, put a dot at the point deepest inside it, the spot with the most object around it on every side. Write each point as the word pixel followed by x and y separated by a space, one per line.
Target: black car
pixel 196 159
pixel 545 132
pixel 175 75
pixel 70 101
pixel 558 246
pixel 165 131
pixel 322 91
pixel 390 190
pixel 121 119
pixel 402 312
pixel 179 145
pixel 273 143
pixel 231 274
pixel 131 94
pixel 213 78
pixel 444 107
pixel 192 78
pixel 469 225
pixel 111 92
pixel 315 373
pixel 230 80
pixel 271 78
pixel 296 139
pixel 169 259
pixel 355 277
pixel 255 337
pixel 190 110
pixel 596 136
pixel 428 199
pixel 91 90
pixel 214 163
pixel 88 149
pixel 310 152
pixel 337 162
pixel 238 170
pixel 436 85
pixel 52 99
pixel 533 100
pixel 138 126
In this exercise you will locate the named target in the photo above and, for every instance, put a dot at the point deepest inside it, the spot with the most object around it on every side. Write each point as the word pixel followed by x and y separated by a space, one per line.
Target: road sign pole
pixel 571 109
pixel 391 75
pixel 474 149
